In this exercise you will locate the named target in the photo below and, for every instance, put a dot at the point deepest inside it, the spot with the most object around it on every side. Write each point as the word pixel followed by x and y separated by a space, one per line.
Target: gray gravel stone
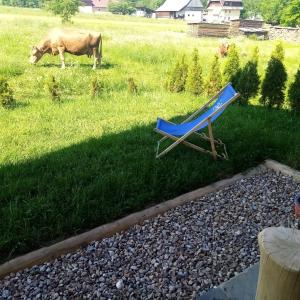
pixel 188 250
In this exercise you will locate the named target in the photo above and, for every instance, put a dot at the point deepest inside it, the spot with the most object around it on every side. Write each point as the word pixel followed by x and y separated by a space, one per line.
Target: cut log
pixel 279 272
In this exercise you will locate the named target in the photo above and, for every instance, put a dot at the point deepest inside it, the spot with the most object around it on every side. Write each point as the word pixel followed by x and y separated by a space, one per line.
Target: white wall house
pixel 190 10
pixel 220 11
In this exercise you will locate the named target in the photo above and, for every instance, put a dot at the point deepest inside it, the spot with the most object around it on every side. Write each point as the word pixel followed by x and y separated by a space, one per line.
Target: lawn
pixel 68 167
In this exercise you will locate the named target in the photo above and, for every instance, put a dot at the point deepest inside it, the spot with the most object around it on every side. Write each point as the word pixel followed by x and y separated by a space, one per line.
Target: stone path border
pixel 66 246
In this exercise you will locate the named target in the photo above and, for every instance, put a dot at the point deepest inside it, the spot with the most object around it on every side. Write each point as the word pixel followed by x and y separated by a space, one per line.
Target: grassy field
pixel 68 167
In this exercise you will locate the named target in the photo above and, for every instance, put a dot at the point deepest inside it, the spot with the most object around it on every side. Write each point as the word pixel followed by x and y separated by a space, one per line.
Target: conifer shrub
pixel 178 76
pixel 294 94
pixel 232 65
pixel 248 80
pixel 6 94
pixel 194 82
pixel 273 85
pixel 53 89
pixel 96 88
pixel 278 52
pixel 132 87
pixel 214 82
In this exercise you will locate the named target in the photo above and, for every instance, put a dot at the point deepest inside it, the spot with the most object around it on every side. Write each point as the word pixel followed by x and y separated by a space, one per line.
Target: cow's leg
pixel 97 58
pixel 61 51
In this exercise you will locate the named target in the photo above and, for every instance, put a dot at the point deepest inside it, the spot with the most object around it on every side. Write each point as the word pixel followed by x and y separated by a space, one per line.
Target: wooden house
pixel 222 11
pixel 190 10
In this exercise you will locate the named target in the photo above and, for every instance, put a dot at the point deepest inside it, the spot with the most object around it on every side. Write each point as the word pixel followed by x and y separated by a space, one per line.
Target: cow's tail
pixel 100 48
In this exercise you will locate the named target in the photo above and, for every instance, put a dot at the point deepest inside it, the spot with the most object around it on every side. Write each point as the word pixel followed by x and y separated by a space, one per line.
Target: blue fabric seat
pixel 226 96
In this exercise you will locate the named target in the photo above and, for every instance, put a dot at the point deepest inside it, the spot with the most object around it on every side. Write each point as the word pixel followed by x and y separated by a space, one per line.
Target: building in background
pixel 91 6
pixel 221 11
pixel 190 10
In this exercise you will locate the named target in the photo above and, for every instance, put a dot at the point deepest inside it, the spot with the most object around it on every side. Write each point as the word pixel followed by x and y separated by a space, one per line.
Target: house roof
pixel 178 5
pixel 96 3
pixel 223 1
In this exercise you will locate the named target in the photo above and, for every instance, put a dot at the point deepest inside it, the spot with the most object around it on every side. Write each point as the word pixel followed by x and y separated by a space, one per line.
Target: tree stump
pixel 279 271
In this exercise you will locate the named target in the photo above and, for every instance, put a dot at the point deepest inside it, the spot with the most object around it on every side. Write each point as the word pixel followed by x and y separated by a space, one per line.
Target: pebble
pixel 177 255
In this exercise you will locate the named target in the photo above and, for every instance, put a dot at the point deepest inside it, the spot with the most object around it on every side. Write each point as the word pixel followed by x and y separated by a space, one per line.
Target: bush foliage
pixel 53 89
pixel 63 8
pixel 232 65
pixel 294 94
pixel 248 80
pixel 194 82
pixel 178 76
pixel 214 82
pixel 273 86
pixel 6 93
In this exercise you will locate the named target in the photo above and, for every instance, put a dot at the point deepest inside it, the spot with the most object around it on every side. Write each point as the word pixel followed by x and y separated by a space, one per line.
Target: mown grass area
pixel 68 167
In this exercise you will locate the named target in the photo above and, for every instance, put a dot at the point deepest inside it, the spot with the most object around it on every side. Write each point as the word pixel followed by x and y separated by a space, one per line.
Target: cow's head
pixel 36 55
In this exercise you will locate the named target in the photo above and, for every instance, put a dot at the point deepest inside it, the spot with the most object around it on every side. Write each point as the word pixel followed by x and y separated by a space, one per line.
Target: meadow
pixel 70 166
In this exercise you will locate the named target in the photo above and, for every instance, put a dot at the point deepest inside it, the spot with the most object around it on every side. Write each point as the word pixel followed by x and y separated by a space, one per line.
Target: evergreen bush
pixel 248 80
pixel 53 89
pixel 232 65
pixel 273 86
pixel 132 87
pixel 278 52
pixel 178 76
pixel 294 94
pixel 96 88
pixel 6 94
pixel 194 82
pixel 214 82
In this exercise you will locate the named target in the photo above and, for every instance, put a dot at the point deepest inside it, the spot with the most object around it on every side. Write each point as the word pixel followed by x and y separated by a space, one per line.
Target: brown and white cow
pixel 59 41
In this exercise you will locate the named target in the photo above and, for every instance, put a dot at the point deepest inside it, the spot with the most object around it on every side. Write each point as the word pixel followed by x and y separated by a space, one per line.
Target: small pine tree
pixel 214 82
pixel 255 55
pixel 273 86
pixel 53 89
pixel 194 82
pixel 278 52
pixel 132 87
pixel 232 65
pixel 178 76
pixel 96 88
pixel 6 94
pixel 248 82
pixel 294 93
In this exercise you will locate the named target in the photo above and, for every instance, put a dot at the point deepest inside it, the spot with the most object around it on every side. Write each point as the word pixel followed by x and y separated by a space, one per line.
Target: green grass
pixel 68 167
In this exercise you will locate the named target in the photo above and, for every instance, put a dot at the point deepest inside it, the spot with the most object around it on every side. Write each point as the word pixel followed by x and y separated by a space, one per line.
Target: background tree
pixel 294 94
pixel 291 14
pixel 194 82
pixel 121 8
pixel 63 8
pixel 271 10
pixel 232 65
pixel 251 8
pixel 214 82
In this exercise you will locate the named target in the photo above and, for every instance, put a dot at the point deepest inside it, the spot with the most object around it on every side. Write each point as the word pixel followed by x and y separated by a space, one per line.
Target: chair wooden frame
pixel 210 137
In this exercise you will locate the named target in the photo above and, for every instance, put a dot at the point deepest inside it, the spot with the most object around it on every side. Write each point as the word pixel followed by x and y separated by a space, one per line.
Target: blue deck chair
pixel 192 125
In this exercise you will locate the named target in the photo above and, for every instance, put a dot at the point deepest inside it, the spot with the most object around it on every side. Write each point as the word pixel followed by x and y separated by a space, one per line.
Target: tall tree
pixel 291 13
pixel 251 8
pixel 271 10
pixel 63 8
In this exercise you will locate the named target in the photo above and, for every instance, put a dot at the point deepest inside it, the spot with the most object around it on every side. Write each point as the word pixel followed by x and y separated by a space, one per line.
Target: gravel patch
pixel 186 251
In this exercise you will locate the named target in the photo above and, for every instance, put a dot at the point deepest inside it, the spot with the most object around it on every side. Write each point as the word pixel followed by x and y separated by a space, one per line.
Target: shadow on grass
pixel 104 66
pixel 99 180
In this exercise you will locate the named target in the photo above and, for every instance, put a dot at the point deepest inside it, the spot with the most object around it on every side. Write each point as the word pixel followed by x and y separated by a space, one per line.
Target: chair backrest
pixel 227 94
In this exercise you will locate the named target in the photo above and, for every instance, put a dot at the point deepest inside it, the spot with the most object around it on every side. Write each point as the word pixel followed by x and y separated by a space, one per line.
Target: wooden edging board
pixel 71 244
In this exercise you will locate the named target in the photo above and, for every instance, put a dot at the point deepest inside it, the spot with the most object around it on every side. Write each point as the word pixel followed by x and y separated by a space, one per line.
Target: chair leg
pixel 211 139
